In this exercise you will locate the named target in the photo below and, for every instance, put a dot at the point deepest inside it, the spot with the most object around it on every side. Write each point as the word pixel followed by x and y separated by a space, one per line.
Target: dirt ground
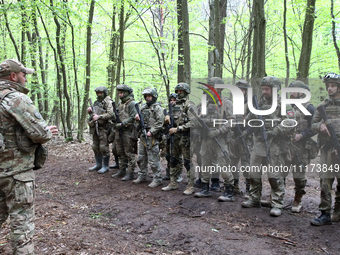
pixel 82 212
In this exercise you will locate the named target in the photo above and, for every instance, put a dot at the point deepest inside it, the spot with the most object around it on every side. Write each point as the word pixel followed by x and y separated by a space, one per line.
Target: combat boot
pixel 98 165
pixel 105 168
pixel 166 177
pixel 155 184
pixel 204 192
pixel 323 219
pixel 276 212
pixel 198 183
pixel 336 212
pixel 189 190
pixel 172 185
pixel 296 208
pixel 250 203
pixel 128 176
pixel 115 165
pixel 120 173
pixel 215 185
pixel 237 186
pixel 228 194
pixel 179 178
pixel 139 180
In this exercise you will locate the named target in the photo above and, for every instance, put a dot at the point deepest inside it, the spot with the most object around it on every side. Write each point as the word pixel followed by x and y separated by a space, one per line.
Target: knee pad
pixel 173 162
pixel 187 164
pixel 167 157
pixel 273 183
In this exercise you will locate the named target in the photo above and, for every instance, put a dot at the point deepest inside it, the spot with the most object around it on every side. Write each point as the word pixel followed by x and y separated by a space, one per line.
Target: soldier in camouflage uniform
pixel 102 113
pixel 301 144
pixel 21 128
pixel 210 152
pixel 128 141
pixel 184 120
pixel 167 147
pixel 153 119
pixel 237 152
pixel 277 135
pixel 328 153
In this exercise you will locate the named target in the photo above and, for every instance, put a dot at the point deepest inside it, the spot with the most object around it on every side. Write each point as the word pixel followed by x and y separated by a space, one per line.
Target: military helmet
pixel 242 84
pixel 102 89
pixel 183 86
pixel 331 78
pixel 124 87
pixel 173 95
pixel 215 80
pixel 298 84
pixel 271 81
pixel 150 91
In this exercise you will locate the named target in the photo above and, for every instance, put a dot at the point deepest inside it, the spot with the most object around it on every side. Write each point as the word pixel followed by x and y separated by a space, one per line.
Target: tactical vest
pixel 149 115
pixel 275 115
pixel 124 109
pixel 333 114
pixel 13 136
pixel 100 107
pixel 213 112
pixel 178 112
pixel 300 118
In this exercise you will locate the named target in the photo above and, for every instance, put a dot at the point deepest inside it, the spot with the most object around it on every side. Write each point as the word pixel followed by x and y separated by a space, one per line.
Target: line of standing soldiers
pixel 191 133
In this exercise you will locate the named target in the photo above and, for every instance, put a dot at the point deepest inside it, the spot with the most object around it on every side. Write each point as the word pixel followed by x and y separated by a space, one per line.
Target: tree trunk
pixel 259 46
pixel 223 14
pixel 334 34
pixel 121 45
pixel 307 41
pixel 186 42
pixel 217 39
pixel 211 59
pixel 285 40
pixel 88 73
pixel 180 65
pixel 111 68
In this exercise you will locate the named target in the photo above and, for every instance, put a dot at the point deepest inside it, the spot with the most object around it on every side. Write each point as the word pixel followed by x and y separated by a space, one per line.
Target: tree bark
pixel 111 68
pixel 307 42
pixel 259 46
pixel 223 14
pixel 334 34
pixel 180 45
pixel 217 39
pixel 285 40
pixel 211 58
pixel 121 45
pixel 186 43
pixel 87 71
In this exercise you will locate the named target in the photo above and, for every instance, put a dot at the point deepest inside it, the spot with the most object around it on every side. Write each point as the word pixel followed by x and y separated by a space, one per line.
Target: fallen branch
pixel 281 238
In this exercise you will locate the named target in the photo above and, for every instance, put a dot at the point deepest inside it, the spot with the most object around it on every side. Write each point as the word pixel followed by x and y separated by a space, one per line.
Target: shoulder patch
pixel 37 114
pixel 290 113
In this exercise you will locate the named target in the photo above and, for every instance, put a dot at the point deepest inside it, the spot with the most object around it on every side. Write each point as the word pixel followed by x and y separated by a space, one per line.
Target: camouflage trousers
pixel 180 164
pixel 214 163
pixel 181 147
pixel 100 143
pixel 276 179
pixel 150 156
pixel 237 155
pixel 17 201
pixel 328 161
pixel 127 157
pixel 299 174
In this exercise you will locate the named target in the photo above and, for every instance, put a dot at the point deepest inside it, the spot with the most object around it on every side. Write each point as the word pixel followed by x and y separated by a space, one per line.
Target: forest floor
pixel 82 212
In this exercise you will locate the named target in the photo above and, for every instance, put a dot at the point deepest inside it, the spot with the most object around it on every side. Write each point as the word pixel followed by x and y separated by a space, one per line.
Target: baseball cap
pixel 13 66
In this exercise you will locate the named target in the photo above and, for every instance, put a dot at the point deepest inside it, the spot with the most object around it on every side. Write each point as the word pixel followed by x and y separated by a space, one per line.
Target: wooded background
pixel 76 46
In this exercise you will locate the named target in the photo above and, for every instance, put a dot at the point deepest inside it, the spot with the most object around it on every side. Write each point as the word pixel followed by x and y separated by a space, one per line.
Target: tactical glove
pixel 214 133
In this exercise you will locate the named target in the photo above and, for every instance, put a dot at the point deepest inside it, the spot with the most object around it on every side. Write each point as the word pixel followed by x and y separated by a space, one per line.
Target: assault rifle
pixel 334 138
pixel 263 131
pixel 142 125
pixel 244 145
pixel 96 122
pixel 118 122
pixel 207 129
pixel 172 124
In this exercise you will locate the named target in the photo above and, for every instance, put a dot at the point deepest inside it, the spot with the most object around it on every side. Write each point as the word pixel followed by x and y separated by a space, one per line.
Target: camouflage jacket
pixel 332 108
pixel 127 111
pixel 19 120
pixel 104 109
pixel 273 122
pixel 183 118
pixel 153 116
